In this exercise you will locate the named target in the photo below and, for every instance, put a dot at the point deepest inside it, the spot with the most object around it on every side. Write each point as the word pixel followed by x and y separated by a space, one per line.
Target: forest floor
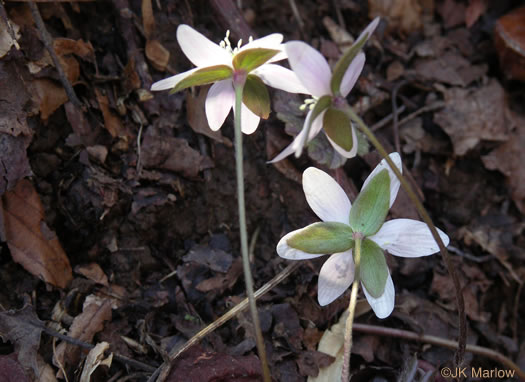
pixel 118 213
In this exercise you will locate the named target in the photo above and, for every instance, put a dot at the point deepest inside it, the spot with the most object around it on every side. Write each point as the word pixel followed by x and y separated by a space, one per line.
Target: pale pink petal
pixel 200 50
pixel 280 78
pixel 352 74
pixel 171 82
pixel 325 196
pixel 384 305
pixel 249 121
pixel 219 102
pixel 369 29
pixel 287 252
pixel 336 275
pixel 394 182
pixel 310 67
pixel 408 238
pixel 347 154
pixel 272 41
pixel 290 149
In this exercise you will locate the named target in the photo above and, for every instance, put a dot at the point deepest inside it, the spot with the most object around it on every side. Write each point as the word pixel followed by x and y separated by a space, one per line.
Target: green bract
pixel 371 206
pixel 326 237
pixel 343 64
pixel 251 59
pixel 337 126
pixel 256 97
pixel 373 270
pixel 204 76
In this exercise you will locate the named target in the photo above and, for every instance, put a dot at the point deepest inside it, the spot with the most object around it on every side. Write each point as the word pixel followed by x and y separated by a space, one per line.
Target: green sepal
pixel 251 59
pixel 204 76
pixel 325 238
pixel 373 270
pixel 336 125
pixel 344 62
pixel 256 97
pixel 322 104
pixel 371 206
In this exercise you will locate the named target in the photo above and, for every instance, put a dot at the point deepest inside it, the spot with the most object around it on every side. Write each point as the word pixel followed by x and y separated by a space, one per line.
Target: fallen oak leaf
pixel 31 242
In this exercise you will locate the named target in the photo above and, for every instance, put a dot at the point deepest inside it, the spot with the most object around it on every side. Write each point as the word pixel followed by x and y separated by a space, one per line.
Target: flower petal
pixel 219 102
pixel 249 121
pixel 199 49
pixel 272 41
pixel 347 154
pixel 408 238
pixel 310 67
pixel 287 252
pixel 352 74
pixel 171 82
pixel 280 78
pixel 394 182
pixel 325 196
pixel 336 275
pixel 384 305
pixel 369 29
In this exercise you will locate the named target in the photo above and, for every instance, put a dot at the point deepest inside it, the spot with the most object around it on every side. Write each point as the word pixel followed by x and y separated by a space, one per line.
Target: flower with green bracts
pixel 217 65
pixel 366 217
pixel 328 91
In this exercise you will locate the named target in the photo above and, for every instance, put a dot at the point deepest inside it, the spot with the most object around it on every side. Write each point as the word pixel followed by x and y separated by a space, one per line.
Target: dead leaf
pixel 14 164
pixel 22 328
pixel 31 242
pixel 452 13
pixel 309 362
pixel 157 54
pixel 402 15
pixel 197 117
pixel 509 39
pixel 6 41
pixel 450 68
pixel 80 48
pixel 112 123
pixel 509 159
pixel 93 272
pixel 48 96
pixel 94 359
pixel 11 370
pixel 338 35
pixel 95 312
pixel 471 115
pixel 148 20
pixel 474 10
pixel 214 258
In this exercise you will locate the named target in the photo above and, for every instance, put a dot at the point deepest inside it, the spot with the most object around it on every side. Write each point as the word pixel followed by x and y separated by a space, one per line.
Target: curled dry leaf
pixel 112 123
pixel 94 359
pixel 31 242
pixel 93 272
pixel 157 54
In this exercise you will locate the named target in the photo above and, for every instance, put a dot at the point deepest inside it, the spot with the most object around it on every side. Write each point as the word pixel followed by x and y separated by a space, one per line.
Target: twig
pixel 383 122
pixel 165 367
pixel 396 115
pixel 426 218
pixel 48 43
pixel 297 15
pixel 438 341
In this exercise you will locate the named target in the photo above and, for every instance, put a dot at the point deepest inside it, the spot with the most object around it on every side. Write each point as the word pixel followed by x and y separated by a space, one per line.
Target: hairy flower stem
pixel 261 349
pixel 462 340
pixel 345 373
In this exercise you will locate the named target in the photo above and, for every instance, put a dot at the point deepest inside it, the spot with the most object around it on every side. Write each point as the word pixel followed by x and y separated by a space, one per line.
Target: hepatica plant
pixel 356 235
pixel 250 65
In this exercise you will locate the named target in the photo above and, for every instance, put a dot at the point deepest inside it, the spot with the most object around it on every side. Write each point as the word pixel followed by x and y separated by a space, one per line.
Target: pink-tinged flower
pixel 328 94
pixel 400 237
pixel 222 61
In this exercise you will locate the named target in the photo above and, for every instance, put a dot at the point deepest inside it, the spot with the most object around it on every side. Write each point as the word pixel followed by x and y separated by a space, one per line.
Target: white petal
pixel 249 121
pixel 325 196
pixel 369 29
pixel 199 49
pixel 287 252
pixel 347 154
pixel 336 275
pixel 272 41
pixel 408 238
pixel 171 82
pixel 394 182
pixel 352 74
pixel 290 149
pixel 310 67
pixel 280 78
pixel 384 305
pixel 219 102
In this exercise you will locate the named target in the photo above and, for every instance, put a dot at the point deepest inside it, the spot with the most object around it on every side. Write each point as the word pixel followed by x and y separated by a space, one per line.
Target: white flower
pixel 203 53
pixel 400 237
pixel 313 71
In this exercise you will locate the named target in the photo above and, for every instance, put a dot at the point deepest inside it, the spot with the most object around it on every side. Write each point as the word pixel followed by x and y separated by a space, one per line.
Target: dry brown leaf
pixel 94 359
pixel 79 48
pixel 452 12
pixel 6 41
pixel 472 115
pixel 449 68
pixel 403 15
pixel 197 117
pixel 31 242
pixel 112 123
pixel 474 10
pixel 11 370
pixel 148 20
pixel 14 164
pixel 93 272
pixel 95 312
pixel 49 96
pixel 157 54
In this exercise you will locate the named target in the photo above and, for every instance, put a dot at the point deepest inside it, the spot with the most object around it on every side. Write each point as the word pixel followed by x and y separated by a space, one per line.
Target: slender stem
pixel 345 373
pixel 243 231
pixel 425 216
